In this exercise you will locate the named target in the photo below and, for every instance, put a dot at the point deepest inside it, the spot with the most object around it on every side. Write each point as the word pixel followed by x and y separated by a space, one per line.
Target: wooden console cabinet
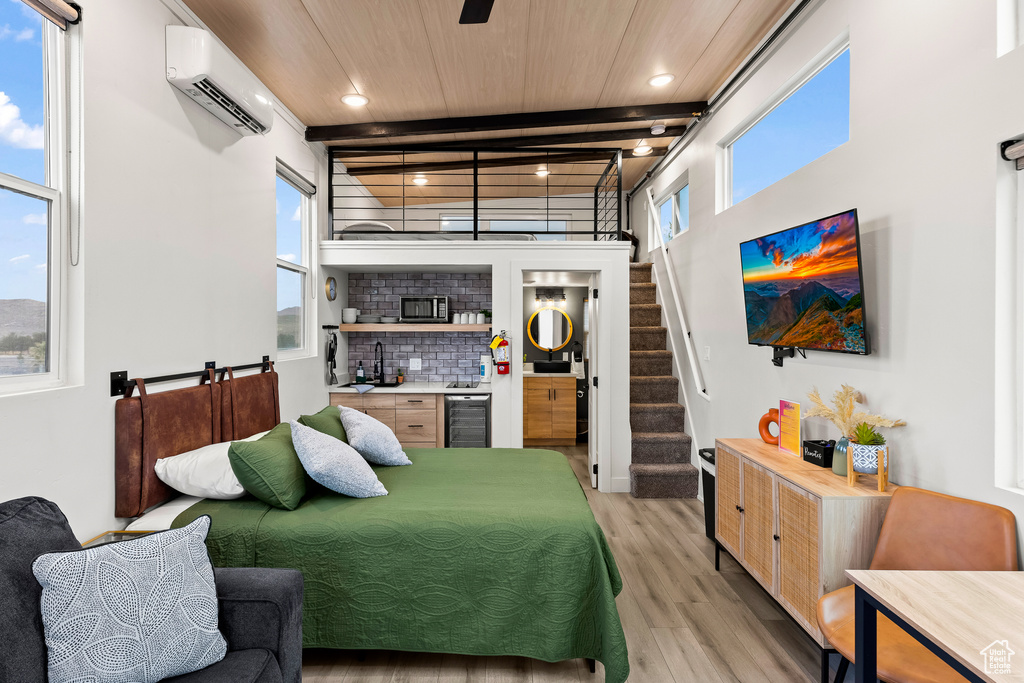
pixel 549 411
pixel 416 419
pixel 794 526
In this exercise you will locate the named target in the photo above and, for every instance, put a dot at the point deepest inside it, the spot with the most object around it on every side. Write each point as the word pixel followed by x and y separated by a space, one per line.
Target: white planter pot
pixel 866 458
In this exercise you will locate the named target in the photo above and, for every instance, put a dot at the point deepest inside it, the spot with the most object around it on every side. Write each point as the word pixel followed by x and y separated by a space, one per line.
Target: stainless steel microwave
pixel 423 309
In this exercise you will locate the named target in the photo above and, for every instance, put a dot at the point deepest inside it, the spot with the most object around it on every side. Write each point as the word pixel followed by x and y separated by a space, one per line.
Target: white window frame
pixel 305 270
pixel 61 110
pixel 723 152
pixel 669 194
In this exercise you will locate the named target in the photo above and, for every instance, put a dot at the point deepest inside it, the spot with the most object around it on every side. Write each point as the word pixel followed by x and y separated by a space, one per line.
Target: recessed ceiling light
pixel 542 171
pixel 420 180
pixel 355 100
pixel 660 80
pixel 658 129
pixel 642 149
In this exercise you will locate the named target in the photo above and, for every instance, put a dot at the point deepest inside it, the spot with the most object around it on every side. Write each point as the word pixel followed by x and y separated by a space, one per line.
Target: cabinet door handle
pixel 556 394
pixel 415 426
pixel 414 400
pixel 549 394
pixel 776 537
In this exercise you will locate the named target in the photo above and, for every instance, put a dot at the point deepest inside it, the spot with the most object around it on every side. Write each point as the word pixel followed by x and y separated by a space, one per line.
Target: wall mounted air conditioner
pixel 204 70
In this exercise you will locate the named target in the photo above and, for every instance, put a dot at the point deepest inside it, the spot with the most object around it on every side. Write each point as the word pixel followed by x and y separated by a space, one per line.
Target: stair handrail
pixel 698 379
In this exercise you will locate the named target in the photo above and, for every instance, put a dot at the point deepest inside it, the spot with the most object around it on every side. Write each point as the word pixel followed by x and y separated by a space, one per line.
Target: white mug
pixel 480 318
pixel 465 318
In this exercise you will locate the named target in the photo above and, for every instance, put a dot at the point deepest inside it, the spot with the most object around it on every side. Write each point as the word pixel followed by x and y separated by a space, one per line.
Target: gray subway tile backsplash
pixel 445 356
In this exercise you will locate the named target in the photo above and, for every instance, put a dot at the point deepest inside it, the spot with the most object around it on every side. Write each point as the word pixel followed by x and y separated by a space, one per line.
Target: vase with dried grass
pixel 845 416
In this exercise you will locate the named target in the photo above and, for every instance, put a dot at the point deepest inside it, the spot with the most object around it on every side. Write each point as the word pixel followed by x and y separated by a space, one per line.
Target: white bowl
pixel 348 319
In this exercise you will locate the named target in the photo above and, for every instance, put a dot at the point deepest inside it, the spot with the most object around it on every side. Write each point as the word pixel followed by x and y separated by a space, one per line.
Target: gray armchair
pixel 260 609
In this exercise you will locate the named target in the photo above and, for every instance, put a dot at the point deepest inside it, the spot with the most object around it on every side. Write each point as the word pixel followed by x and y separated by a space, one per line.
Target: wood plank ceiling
pixel 413 60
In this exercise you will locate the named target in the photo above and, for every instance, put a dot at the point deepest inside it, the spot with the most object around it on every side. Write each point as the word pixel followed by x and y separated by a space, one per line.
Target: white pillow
pixel 372 438
pixel 205 472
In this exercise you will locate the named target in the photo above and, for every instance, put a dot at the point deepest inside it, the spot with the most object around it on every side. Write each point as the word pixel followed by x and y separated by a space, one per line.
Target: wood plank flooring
pixel 684 622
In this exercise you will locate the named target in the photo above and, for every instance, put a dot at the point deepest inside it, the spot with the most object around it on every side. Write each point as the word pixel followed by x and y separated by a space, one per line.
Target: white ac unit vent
pixel 204 70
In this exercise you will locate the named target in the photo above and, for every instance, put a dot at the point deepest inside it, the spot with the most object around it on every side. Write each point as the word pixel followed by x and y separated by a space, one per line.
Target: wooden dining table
pixel 974 621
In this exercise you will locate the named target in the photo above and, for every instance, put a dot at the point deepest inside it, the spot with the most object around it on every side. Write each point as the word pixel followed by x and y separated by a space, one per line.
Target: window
pixel 294 218
pixel 813 119
pixel 674 214
pixel 33 182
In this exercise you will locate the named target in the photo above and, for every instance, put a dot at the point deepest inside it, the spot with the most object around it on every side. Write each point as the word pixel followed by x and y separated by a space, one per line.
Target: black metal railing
pixel 477 194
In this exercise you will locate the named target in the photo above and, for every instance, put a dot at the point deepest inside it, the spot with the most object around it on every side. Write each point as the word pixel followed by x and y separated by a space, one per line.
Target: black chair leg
pixel 718 550
pixel 592 665
pixel 844 664
pixel 824 665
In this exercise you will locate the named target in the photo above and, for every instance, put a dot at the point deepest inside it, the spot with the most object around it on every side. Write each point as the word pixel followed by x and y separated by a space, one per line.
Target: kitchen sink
pixel 551 366
pixel 371 384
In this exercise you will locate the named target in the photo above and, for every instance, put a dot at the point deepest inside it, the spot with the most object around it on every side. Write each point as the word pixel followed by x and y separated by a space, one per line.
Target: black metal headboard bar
pixel 119 382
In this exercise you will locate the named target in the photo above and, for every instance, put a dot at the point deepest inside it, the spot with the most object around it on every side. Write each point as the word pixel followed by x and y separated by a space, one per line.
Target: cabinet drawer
pixel 385 415
pixel 416 425
pixel 347 400
pixel 564 384
pixel 537 383
pixel 415 402
pixel 378 401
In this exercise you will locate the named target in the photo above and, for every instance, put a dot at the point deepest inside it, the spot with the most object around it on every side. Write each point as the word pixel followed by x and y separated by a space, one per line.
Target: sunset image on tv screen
pixel 802 287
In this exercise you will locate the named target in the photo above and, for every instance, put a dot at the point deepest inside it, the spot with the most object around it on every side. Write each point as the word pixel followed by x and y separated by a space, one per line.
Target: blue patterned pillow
pixel 139 610
pixel 372 438
pixel 333 463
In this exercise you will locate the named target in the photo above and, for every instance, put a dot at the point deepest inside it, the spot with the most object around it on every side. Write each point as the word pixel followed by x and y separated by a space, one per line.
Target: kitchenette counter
pixel 529 373
pixel 415 388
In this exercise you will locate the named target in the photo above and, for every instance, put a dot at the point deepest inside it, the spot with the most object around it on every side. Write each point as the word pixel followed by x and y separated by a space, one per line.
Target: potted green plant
pixel 487 314
pixel 868 448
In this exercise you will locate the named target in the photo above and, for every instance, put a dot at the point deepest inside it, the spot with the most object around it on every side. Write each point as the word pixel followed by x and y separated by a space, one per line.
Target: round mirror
pixel 550 328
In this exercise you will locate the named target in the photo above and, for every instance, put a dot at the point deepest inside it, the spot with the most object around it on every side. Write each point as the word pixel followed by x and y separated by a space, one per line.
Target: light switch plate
pixel 414 364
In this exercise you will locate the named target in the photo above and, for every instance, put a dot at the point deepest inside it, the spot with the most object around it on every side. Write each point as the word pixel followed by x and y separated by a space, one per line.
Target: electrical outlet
pixel 414 364
pixel 707 353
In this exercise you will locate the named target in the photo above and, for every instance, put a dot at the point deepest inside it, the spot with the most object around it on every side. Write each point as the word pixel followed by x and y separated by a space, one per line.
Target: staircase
pixel 661 450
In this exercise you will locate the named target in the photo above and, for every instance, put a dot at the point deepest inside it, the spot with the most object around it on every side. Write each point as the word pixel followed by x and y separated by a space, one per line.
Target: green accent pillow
pixel 269 468
pixel 327 421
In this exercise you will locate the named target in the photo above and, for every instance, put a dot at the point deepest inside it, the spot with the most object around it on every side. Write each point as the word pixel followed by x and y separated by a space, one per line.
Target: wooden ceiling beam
pixel 505 162
pixel 534 140
pixel 536 119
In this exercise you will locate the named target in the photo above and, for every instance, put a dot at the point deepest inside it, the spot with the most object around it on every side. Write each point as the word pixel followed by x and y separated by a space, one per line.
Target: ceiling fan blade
pixel 476 11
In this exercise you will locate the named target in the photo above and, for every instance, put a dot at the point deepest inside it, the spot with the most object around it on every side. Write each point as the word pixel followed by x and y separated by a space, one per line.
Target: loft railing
pixel 483 193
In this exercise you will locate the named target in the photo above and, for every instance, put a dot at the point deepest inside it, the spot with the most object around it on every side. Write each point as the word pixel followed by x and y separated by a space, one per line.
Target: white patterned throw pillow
pixel 372 438
pixel 333 463
pixel 137 611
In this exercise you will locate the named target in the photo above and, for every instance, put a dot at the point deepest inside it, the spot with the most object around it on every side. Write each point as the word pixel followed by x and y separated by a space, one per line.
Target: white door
pixel 593 424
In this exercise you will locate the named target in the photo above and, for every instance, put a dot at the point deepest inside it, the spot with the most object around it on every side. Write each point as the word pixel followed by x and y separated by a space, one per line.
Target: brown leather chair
pixel 922 530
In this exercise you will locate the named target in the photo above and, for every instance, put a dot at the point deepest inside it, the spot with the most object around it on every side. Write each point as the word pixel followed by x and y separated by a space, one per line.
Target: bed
pixel 475 551
pixel 376 231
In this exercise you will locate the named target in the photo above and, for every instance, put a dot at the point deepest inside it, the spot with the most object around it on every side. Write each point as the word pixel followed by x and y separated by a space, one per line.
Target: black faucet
pixel 378 363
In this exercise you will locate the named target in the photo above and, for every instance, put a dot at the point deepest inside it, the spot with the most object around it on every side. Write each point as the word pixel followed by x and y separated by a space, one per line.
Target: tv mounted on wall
pixel 803 287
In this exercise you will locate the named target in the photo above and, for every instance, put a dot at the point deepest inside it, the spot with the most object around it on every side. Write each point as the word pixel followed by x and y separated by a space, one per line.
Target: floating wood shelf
pixel 411 327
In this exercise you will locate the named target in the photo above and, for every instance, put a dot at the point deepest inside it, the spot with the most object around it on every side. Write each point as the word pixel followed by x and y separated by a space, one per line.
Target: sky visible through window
pixel 811 122
pixel 23 220
pixel 289 242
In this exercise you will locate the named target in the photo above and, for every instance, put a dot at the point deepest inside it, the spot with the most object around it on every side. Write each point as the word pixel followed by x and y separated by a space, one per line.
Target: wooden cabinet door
pixel 799 577
pixel 537 407
pixel 563 408
pixel 348 400
pixel 758 509
pixel 385 415
pixel 728 520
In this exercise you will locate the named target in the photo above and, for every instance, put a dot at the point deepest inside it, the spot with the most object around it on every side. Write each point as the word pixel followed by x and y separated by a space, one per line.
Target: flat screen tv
pixel 803 287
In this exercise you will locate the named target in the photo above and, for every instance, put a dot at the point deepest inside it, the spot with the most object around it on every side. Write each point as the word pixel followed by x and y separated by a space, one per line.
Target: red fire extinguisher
pixel 501 353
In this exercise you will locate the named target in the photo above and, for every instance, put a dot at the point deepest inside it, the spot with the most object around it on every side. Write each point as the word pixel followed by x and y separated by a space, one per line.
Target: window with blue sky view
pixel 291 216
pixel 809 123
pixel 24 219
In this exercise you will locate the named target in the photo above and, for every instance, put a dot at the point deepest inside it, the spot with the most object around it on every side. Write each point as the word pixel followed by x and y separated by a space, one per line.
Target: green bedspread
pixel 475 551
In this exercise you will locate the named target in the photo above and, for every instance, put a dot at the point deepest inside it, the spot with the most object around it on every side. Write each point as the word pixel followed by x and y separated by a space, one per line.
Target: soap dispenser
pixel 360 374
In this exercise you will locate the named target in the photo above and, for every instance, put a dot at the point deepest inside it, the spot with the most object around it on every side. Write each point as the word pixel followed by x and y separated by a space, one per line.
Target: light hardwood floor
pixel 684 622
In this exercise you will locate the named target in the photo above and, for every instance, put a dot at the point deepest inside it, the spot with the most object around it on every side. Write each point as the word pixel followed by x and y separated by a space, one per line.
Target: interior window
pixel 674 214
pixel 804 126
pixel 294 217
pixel 31 67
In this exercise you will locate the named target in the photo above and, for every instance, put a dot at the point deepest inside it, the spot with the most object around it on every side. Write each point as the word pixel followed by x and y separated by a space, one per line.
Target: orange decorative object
pixel 771 416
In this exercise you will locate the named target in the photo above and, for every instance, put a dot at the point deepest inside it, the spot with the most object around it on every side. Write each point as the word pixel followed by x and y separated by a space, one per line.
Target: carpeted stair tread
pixel 647 338
pixel 643 293
pixel 639 272
pixel 646 363
pixel 644 315
pixel 663 480
pixel 654 417
pixel 653 389
pixel 661 447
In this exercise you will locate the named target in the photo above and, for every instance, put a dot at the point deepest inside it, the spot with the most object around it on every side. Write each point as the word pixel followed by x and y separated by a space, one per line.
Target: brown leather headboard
pixel 158 425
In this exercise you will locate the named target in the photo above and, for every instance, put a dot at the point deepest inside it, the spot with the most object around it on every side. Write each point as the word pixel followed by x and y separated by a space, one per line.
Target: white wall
pixel 930 103
pixel 178 249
